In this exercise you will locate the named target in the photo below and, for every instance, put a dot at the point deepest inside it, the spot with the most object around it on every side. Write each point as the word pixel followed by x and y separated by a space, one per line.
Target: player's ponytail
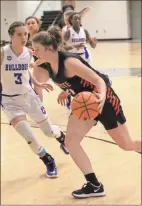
pixel 55 31
pixel 51 37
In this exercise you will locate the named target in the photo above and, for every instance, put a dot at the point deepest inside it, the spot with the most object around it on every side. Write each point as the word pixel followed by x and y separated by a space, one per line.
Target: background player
pixel 33 24
pixel 77 37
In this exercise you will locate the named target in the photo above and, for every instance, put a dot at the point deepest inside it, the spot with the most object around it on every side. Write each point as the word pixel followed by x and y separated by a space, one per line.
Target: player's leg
pixel 42 76
pixel 39 114
pixel 23 128
pixel 17 118
pixel 76 130
pixel 114 121
pixel 123 139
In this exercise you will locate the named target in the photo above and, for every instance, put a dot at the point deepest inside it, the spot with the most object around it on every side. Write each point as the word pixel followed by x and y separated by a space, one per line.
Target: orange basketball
pixel 84 106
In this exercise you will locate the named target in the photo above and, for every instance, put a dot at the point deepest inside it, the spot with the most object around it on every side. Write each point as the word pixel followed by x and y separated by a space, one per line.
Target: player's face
pixel 32 25
pixel 20 36
pixel 40 51
pixel 76 20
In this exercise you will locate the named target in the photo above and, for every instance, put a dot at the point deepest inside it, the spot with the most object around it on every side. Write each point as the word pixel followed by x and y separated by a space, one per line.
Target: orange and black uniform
pixel 112 111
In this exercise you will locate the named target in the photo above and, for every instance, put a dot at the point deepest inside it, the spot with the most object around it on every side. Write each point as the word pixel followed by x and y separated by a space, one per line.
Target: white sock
pixel 25 131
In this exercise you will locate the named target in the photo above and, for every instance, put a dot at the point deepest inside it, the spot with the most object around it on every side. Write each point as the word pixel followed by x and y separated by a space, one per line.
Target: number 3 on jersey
pixel 18 78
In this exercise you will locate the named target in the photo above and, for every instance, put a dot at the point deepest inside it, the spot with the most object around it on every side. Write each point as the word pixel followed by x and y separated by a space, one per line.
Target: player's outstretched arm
pixel 43 85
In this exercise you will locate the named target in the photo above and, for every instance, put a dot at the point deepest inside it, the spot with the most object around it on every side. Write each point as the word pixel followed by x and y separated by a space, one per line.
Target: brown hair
pixel 33 17
pixel 51 37
pixel 14 25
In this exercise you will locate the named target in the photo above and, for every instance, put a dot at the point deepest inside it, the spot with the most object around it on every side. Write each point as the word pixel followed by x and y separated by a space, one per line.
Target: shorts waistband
pixel 14 95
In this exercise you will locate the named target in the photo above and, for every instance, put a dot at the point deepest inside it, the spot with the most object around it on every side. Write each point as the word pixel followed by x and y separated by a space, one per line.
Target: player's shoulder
pixel 5 48
pixel 30 51
pixel 1 49
pixel 66 55
pixel 69 58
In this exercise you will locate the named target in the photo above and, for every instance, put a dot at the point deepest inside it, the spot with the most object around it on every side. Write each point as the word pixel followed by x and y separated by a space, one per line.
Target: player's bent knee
pixel 18 119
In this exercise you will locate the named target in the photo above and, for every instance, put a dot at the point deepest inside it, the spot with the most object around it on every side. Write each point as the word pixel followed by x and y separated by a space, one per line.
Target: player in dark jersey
pixel 72 73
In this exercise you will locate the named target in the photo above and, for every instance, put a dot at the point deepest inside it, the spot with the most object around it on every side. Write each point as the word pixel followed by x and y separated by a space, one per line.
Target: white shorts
pixel 89 59
pixel 25 104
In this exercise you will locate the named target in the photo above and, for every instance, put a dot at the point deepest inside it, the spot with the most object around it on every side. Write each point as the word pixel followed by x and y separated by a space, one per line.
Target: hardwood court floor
pixel 22 174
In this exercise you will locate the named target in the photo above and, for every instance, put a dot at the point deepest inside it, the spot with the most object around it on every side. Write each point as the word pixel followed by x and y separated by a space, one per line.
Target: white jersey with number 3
pixel 15 77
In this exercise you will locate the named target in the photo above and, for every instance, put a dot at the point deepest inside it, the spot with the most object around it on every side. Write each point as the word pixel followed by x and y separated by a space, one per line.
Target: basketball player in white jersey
pixel 66 15
pixel 77 37
pixel 19 99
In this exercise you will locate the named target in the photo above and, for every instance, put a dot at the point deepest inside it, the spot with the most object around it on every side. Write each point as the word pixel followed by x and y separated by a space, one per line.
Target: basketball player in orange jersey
pixel 70 72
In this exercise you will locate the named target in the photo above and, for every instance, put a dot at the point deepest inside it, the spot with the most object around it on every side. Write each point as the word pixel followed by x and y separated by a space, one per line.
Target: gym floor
pixel 23 179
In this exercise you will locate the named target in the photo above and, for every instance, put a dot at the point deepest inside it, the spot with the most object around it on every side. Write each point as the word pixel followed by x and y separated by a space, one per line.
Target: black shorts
pixel 112 111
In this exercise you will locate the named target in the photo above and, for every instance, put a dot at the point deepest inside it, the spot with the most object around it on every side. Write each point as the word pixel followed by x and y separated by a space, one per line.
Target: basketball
pixel 84 106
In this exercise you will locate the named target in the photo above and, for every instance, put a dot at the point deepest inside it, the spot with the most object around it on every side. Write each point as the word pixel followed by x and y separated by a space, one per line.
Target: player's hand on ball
pixel 62 98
